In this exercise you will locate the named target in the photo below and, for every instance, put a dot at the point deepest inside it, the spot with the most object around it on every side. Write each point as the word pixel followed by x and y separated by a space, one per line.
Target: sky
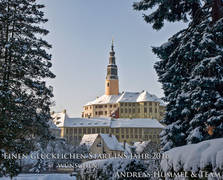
pixel 81 32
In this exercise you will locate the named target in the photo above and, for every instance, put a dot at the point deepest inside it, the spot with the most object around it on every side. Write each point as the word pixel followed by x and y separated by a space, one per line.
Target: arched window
pixel 107 84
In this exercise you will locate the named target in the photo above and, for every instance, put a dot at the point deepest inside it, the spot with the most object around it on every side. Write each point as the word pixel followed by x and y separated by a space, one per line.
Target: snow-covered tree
pixel 205 85
pixel 24 63
pixel 112 169
pixel 190 69
pixel 181 10
pixel 56 146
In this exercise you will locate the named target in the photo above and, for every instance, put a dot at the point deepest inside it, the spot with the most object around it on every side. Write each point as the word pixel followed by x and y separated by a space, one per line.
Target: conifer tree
pixel 190 69
pixel 24 65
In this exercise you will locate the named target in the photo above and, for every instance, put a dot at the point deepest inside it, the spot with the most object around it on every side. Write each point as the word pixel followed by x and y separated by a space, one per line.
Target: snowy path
pixel 42 177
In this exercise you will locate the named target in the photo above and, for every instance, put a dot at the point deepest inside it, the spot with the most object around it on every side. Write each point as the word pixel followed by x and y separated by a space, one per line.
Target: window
pixel 102 130
pixel 117 130
pixel 150 103
pixel 121 104
pixel 133 104
pixel 121 110
pixel 150 110
pixel 89 130
pixel 123 136
pixel 136 130
pixel 126 110
pixel 126 104
pixel 127 136
pixel 110 106
pixel 93 130
pixel 138 110
pixel 96 113
pixel 80 130
pixel 105 112
pixel 107 84
pixel 105 106
pixel 107 130
pixel 112 131
pixel 145 110
pixel 114 105
pixel 99 145
pixel 122 130
pixel 100 112
pixel 84 130
pixel 131 130
pixel 133 110
pixel 127 130
pixel 129 110
pixel 155 110
pixel 98 130
pixel 145 103
pixel 136 136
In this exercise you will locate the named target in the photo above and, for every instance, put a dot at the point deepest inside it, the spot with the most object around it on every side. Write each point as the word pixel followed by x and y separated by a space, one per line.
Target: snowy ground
pixel 42 177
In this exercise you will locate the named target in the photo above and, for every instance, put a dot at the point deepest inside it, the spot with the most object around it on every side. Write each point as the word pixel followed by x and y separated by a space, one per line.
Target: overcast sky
pixel 81 33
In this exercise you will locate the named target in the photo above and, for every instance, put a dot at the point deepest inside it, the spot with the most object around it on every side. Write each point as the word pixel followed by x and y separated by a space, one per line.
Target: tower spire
pixel 111 84
pixel 112 54
pixel 112 46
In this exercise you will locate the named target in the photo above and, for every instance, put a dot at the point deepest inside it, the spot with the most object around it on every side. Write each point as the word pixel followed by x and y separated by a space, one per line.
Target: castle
pixel 130 116
pixel 125 104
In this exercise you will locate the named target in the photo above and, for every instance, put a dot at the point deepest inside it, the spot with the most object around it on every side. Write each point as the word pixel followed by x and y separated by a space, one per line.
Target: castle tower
pixel 111 83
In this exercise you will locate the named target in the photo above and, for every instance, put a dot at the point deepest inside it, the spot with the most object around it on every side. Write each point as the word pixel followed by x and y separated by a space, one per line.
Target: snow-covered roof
pixel 105 99
pixel 111 142
pixel 128 97
pixel 65 121
pixel 143 96
pixel 140 123
pixel 88 139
